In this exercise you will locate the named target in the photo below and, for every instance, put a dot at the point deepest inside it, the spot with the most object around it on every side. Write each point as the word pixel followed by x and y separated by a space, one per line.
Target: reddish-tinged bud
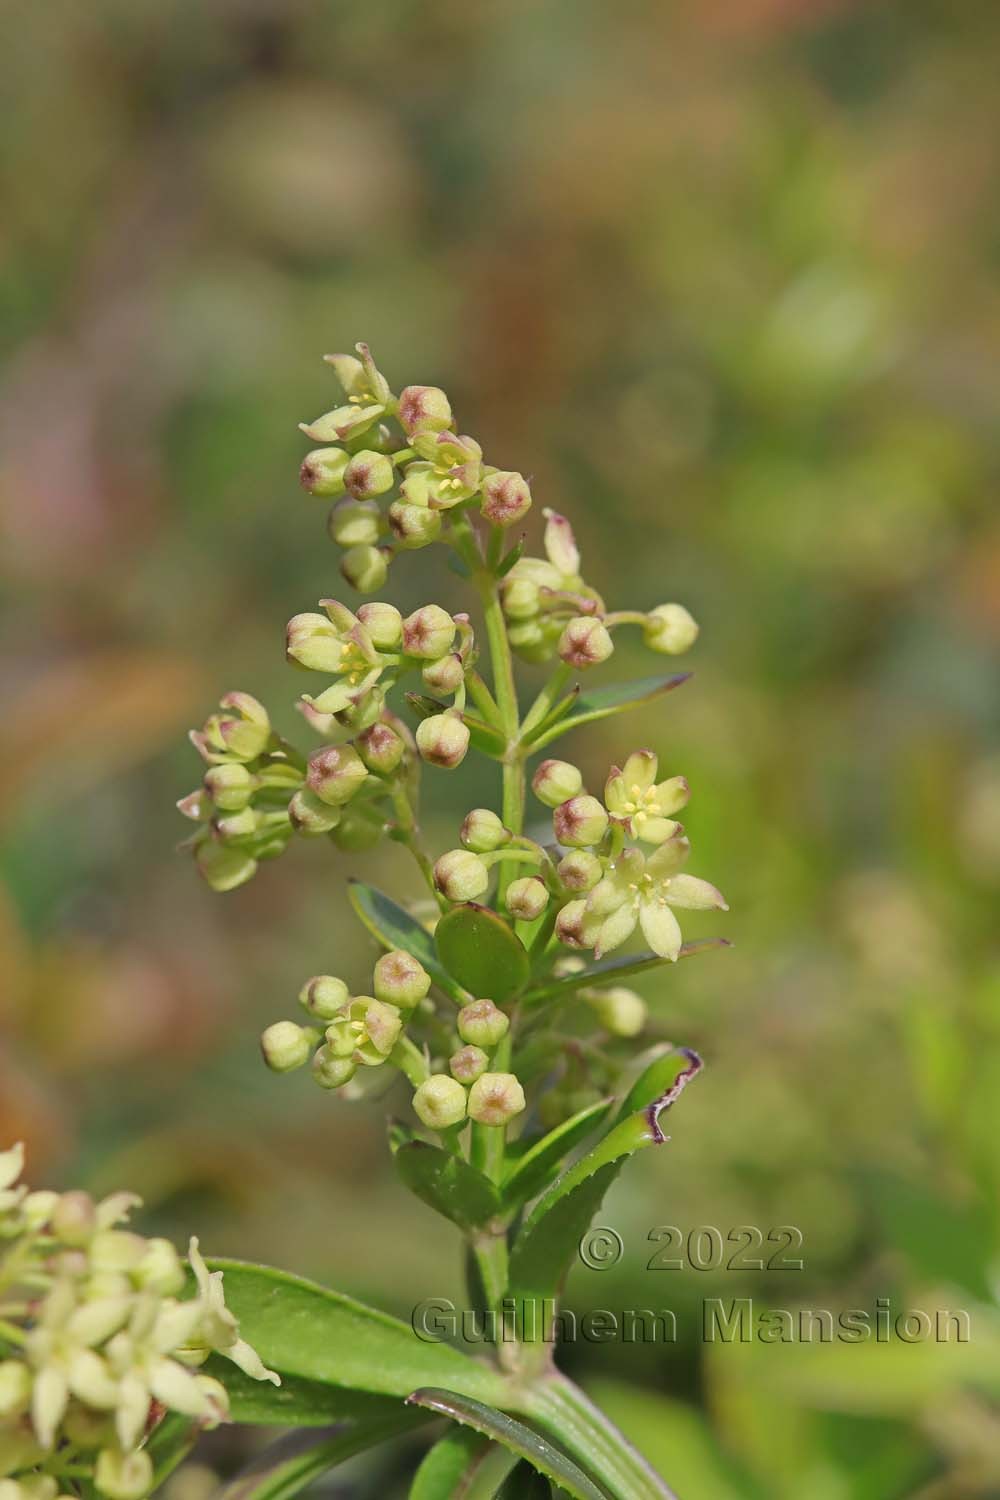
pixel 461 875
pixel 381 749
pixel 570 928
pixel 556 781
pixel 580 822
pixel 506 498
pixel 400 979
pixel 483 831
pixel 527 898
pixel 445 675
pixel 383 623
pixel 443 740
pixel 414 526
pixel 322 471
pixel 428 632
pixel 468 1064
pixel 323 996
pixel 230 786
pixel 585 642
pixel 335 773
pixel 354 523
pixel 495 1099
pixel 579 870
pixel 483 1024
pixel 369 474
pixel 365 568
pixel 423 408
pixel 308 815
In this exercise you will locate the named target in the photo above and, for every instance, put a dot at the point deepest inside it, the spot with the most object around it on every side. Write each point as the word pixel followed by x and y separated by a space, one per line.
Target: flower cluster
pixel 97 1342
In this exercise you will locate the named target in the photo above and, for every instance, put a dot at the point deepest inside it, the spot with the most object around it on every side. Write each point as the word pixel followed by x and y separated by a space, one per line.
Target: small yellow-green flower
pixel 644 806
pixel 642 891
pixel 337 643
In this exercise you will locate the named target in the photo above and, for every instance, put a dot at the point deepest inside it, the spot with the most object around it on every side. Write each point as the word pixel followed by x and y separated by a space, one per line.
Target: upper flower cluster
pixel 97 1342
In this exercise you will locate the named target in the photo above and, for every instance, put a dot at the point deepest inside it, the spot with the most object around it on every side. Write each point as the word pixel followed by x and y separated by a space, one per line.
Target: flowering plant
pixel 496 1003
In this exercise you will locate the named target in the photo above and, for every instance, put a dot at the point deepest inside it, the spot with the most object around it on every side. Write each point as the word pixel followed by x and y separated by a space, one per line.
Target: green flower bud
pixel 354 523
pixel 483 832
pixel 400 979
pixel 309 815
pixel 527 898
pixel 322 471
pixel 360 828
pixel 230 786
pixel 235 826
pixel 621 1011
pixel 585 642
pixel 384 624
pixel 331 1072
pixel 423 408
pixel 428 632
pixel 323 996
pixel 381 749
pixel 580 822
pixel 414 526
pixel 445 675
pixel 495 1098
pixel 369 474
pixel 571 924
pixel 287 1046
pixel 468 1064
pixel 556 781
pixel 223 867
pixel 15 1388
pixel 483 1024
pixel 124 1476
pixel 533 640
pixel 461 875
pixel 670 629
pixel 440 1102
pixel 365 568
pixel 579 870
pixel 314 642
pixel 160 1269
pixel 521 597
pixel 443 740
pixel 74 1218
pixel 506 498
pixel 241 732
pixel 334 773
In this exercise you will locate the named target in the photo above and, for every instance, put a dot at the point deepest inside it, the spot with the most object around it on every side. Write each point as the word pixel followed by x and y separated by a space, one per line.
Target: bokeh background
pixel 722 279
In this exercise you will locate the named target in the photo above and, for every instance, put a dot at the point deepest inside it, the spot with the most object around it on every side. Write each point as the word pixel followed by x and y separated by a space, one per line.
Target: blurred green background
pixel 723 279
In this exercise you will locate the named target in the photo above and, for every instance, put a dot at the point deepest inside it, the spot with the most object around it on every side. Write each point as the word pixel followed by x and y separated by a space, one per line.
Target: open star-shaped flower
pixel 644 806
pixel 642 891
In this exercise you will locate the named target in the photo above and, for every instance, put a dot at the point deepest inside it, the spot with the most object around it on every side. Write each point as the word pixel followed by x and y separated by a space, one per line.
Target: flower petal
pixel 177 1388
pixel 334 699
pixel 669 856
pixel 660 928
pixel 639 772
pixel 49 1397
pixel 615 797
pixel 654 830
pixel 343 619
pixel 694 894
pixel 560 544
pixel 672 794
pixel 615 929
pixel 249 1361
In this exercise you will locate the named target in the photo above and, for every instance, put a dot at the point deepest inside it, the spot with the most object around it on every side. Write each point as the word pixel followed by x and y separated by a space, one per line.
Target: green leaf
pixel 530 1173
pixel 295 1402
pixel 480 951
pixel 525 1483
pixel 601 703
pixel 302 1329
pixel 447 1184
pixel 611 970
pixel 510 558
pixel 658 1078
pixel 295 1460
pixel 515 1436
pixel 461 1464
pixel 169 1444
pixel 393 927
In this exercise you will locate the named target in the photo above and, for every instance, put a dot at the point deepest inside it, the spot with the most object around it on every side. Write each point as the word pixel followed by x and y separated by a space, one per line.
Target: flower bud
pixel 360 828
pixel 224 868
pixel 527 898
pixel 242 730
pixel 160 1269
pixel 322 471
pixel 383 623
pixel 483 832
pixel 74 1218
pixel 621 1011
pixel 414 526
pixel 579 870
pixel 585 642
pixel 323 996
pixel 461 875
pixel 468 1064
pixel 580 822
pixel 495 1098
pixel 334 773
pixel 365 568
pixel 428 632
pixel 238 825
pixel 533 640
pixel 287 1046
pixel 381 749
pixel 443 740
pixel 506 498
pixel 331 1072
pixel 354 523
pixel 556 781
pixel 123 1476
pixel 521 597
pixel 309 815
pixel 445 675
pixel 313 641
pixel 483 1024
pixel 440 1102
pixel 369 474
pixel 423 408
pixel 400 979
pixel 570 924
pixel 230 786
pixel 560 544
pixel 670 629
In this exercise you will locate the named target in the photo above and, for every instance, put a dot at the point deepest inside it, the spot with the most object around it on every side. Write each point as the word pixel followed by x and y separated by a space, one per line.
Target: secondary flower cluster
pixel 97 1342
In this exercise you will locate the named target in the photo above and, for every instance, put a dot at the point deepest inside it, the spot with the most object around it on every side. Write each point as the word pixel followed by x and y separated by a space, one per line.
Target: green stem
pixel 559 1406
pixel 408 834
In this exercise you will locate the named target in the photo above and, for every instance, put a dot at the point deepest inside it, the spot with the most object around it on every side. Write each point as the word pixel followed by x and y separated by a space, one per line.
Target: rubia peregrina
pixel 512 1043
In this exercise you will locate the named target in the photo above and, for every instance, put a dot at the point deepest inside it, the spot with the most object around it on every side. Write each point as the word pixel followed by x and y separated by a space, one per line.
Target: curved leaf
pixel 447 1184
pixel 295 1460
pixel 461 1463
pixel 392 926
pixel 530 1173
pixel 601 703
pixel 611 970
pixel 515 1436
pixel 300 1328
pixel 480 952
pixel 296 1402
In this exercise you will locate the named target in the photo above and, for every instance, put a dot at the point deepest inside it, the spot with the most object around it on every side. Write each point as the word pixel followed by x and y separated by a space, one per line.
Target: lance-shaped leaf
pixel 447 1183
pixel 460 1460
pixel 613 970
pixel 300 1328
pixel 534 1169
pixel 601 703
pixel 296 1402
pixel 481 952
pixel 549 1237
pixel 518 1438
pixel 393 927
pixel 296 1459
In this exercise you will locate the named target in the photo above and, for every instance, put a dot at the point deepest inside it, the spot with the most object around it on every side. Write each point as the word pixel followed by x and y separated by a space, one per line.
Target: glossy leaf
pixel 297 1459
pixel 461 1463
pixel 447 1184
pixel 393 927
pixel 538 1451
pixel 532 1171
pixel 296 1402
pixel 622 966
pixel 480 952
pixel 300 1328
pixel 601 703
